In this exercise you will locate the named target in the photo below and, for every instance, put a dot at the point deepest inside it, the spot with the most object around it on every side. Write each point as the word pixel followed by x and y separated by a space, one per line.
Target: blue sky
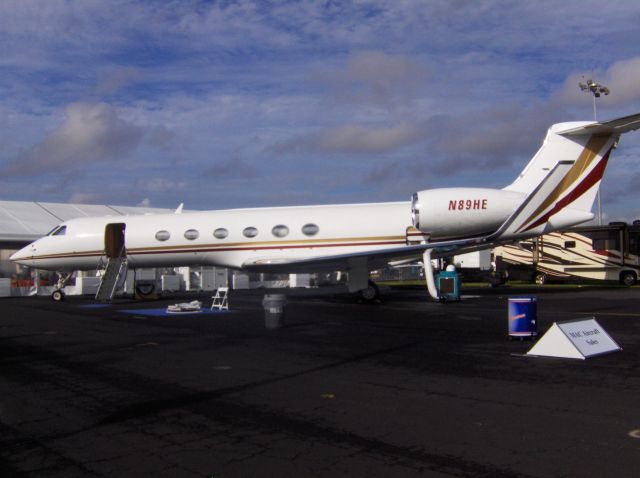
pixel 256 103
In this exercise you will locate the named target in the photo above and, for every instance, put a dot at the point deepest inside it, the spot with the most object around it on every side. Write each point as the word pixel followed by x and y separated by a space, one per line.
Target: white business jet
pixel 555 190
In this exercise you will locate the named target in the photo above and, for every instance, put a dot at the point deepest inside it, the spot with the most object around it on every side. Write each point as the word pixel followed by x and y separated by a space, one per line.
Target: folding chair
pixel 220 300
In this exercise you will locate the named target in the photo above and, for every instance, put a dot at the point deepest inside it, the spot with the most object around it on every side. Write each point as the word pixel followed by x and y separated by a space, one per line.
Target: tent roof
pixel 22 221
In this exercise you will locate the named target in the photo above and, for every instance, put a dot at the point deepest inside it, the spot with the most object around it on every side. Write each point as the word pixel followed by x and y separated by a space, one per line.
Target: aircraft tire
pixel 57 295
pixel 371 293
pixel 540 278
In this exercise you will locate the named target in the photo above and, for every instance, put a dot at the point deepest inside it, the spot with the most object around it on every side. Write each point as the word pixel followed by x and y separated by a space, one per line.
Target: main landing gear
pixel 371 293
pixel 58 293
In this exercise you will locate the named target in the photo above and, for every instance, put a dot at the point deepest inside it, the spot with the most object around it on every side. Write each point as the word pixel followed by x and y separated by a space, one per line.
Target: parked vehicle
pixel 609 252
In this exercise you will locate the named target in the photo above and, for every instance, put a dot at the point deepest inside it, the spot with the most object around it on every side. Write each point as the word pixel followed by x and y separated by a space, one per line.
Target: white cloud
pixel 90 132
pixel 621 77
pixel 353 138
pixel 375 78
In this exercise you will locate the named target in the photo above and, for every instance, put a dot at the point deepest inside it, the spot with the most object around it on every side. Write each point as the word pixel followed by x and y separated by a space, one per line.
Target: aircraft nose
pixel 23 255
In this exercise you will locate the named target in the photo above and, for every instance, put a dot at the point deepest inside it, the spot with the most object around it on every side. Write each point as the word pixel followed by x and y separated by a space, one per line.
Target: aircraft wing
pixel 374 259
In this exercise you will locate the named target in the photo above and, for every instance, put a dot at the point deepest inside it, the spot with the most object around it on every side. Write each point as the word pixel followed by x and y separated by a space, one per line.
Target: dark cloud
pixel 231 168
pixel 375 78
pixel 118 79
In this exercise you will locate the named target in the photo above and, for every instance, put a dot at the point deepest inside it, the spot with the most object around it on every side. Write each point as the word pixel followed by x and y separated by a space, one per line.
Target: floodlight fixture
pixel 596 89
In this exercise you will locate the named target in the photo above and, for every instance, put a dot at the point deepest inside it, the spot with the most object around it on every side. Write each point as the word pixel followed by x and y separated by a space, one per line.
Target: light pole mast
pixel 596 90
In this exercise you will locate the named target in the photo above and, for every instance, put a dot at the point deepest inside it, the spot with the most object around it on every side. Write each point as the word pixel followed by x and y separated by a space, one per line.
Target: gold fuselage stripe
pixel 590 151
pixel 238 246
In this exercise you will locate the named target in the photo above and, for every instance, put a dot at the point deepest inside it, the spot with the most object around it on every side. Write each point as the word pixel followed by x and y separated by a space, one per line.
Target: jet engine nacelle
pixel 462 212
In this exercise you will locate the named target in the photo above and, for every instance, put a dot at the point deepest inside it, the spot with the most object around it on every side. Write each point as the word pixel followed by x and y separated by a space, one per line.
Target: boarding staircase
pixel 116 269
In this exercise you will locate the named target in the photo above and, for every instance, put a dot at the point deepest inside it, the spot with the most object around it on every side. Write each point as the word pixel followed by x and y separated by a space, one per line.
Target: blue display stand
pixel 523 320
pixel 448 284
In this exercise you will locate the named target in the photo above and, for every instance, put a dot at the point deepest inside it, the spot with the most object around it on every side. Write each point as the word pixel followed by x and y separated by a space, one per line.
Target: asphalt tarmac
pixel 406 387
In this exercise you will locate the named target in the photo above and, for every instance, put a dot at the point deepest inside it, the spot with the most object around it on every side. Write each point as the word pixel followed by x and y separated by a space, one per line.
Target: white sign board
pixel 578 339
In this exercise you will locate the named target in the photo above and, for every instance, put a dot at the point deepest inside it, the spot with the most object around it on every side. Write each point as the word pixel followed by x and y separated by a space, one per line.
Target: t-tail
pixel 562 180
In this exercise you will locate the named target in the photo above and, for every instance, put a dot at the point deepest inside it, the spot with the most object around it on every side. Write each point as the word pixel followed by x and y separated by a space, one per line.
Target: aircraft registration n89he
pixel 555 190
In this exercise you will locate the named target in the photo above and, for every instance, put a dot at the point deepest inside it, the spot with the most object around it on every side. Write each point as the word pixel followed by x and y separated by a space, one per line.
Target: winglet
pixel 179 210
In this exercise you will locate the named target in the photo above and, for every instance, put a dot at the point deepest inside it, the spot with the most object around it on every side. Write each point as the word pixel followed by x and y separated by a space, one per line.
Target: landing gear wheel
pixel 628 278
pixel 371 293
pixel 540 278
pixel 57 295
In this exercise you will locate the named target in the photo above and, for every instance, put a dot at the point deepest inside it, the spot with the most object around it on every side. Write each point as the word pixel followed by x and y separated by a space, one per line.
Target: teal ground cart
pixel 448 284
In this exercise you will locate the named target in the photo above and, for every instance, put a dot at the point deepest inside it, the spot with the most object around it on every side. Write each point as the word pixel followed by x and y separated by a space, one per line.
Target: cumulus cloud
pixel 622 78
pixel 353 138
pixel 90 132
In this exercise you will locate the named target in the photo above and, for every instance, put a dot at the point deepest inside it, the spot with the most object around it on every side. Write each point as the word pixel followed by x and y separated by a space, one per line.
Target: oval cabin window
pixel 250 232
pixel 162 235
pixel 191 234
pixel 280 230
pixel 220 233
pixel 310 229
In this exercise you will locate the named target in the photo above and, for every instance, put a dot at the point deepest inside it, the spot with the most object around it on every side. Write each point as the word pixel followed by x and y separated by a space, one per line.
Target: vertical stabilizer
pixel 589 153
pixel 562 179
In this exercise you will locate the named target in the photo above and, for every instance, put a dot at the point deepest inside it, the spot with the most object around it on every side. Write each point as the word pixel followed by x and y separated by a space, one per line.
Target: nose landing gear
pixel 58 293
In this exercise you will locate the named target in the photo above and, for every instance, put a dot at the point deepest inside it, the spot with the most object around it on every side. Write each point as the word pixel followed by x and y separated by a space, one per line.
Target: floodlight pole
pixel 596 90
pixel 595 118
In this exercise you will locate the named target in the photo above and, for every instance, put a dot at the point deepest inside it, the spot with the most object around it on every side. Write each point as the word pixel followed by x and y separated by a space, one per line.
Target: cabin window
pixel 220 233
pixel 163 235
pixel 250 232
pixel 569 244
pixel 310 229
pixel 191 234
pixel 61 231
pixel 280 230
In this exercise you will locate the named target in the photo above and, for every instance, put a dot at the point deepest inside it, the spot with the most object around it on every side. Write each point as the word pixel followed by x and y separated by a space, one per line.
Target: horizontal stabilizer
pixel 616 126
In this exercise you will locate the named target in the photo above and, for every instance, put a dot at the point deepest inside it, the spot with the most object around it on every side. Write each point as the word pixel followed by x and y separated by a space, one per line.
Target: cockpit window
pixel 58 231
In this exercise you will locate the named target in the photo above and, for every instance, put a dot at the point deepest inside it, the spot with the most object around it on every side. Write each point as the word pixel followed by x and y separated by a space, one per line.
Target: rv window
pixel 606 241
pixel 569 244
pixel 634 243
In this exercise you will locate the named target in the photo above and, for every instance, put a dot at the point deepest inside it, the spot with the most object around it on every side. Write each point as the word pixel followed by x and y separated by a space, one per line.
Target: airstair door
pixel 114 245
pixel 114 248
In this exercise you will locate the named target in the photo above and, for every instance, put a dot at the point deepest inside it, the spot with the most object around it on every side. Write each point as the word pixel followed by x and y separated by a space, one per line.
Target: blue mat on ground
pixel 164 313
